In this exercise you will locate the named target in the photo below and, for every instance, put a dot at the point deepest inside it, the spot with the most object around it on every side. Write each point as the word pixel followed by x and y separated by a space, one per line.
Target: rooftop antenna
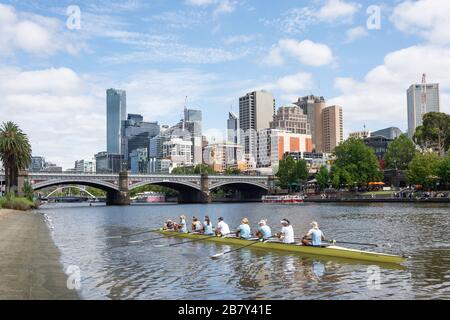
pixel 424 94
pixel 184 116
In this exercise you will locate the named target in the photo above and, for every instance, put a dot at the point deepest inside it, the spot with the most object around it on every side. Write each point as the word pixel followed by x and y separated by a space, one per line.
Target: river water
pixel 113 268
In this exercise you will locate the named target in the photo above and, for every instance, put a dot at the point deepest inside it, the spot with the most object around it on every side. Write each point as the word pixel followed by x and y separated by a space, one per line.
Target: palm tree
pixel 15 153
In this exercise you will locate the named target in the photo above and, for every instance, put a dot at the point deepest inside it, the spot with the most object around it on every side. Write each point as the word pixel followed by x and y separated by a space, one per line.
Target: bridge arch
pixel 99 184
pixel 238 184
pixel 176 185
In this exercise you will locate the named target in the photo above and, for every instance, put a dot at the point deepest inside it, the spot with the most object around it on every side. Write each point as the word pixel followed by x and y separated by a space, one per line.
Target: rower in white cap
pixel 314 237
pixel 287 232
pixel 264 231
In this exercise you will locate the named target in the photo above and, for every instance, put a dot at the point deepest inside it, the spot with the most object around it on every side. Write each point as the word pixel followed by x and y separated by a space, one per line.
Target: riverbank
pixel 29 266
pixel 378 200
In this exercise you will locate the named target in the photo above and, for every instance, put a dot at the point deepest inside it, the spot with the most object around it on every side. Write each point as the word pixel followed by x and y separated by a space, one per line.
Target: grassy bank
pixel 17 203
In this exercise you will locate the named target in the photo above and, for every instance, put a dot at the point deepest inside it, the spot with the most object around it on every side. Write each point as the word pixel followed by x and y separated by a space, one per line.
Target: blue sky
pixel 53 78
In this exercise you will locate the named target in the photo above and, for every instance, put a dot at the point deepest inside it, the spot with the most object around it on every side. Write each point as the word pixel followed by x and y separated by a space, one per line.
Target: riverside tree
pixel 355 164
pixel 400 153
pixel 423 170
pixel 323 178
pixel 291 172
pixel 434 133
pixel 15 153
pixel 443 171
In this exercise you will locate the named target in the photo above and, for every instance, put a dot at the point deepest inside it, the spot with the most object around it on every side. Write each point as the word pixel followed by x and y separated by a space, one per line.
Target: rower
pixel 169 225
pixel 244 230
pixel 208 227
pixel 264 231
pixel 222 227
pixel 314 237
pixel 196 225
pixel 287 232
pixel 182 226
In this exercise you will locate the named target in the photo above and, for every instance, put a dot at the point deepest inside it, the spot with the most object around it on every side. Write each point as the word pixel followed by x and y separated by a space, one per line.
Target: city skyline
pixel 53 83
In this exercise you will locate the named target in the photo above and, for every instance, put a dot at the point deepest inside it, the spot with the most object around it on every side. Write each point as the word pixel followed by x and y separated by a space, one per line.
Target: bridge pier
pixel 194 196
pixel 122 196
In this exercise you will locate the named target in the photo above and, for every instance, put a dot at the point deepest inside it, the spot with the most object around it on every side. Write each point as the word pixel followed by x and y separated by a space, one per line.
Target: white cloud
pixel 306 52
pixel 64 113
pixel 33 34
pixel 296 82
pixel 55 107
pixel 428 18
pixel 380 99
pixel 337 9
pixel 199 2
pixel 275 57
pixel 356 33
pixel 297 20
pixel 225 6
pixel 242 38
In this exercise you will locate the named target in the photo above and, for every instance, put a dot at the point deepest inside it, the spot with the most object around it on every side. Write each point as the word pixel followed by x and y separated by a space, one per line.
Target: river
pixel 113 268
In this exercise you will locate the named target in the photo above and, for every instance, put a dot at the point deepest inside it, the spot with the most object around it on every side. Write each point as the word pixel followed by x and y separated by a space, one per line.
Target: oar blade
pixel 217 256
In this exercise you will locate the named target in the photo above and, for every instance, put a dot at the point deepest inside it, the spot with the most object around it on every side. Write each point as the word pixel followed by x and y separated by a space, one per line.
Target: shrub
pixel 16 203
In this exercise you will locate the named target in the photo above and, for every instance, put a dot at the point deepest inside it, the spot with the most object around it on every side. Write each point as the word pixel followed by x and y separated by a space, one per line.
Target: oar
pixel 145 240
pixel 180 243
pixel 218 255
pixel 359 243
pixel 132 234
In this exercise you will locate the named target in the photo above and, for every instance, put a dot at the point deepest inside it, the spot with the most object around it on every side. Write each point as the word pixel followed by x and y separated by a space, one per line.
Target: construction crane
pixel 424 94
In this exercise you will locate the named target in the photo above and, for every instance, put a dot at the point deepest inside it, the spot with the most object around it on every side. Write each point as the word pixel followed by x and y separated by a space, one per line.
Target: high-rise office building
pixel 333 128
pixel 292 119
pixel 417 107
pixel 137 135
pixel 391 133
pixel 190 128
pixel 85 166
pixel 37 164
pixel 221 156
pixel 116 111
pixel 312 107
pixel 233 128
pixel 274 143
pixel 256 110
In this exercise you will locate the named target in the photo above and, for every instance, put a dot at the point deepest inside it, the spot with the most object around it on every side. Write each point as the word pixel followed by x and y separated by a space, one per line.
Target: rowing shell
pixel 329 251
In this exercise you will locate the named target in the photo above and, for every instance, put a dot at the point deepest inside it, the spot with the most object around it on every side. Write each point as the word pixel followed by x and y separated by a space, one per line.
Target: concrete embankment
pixel 30 268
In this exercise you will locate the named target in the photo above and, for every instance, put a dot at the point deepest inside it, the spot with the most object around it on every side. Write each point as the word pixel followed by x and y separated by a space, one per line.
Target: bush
pixel 16 203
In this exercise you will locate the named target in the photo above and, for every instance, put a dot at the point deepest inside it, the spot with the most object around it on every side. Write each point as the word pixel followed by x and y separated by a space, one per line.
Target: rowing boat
pixel 328 251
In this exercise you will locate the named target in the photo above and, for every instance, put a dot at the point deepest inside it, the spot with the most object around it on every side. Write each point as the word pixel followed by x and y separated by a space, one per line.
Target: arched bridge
pixel 191 188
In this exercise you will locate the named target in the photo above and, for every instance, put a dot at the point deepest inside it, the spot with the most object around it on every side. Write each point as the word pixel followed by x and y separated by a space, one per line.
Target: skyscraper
pixel 256 110
pixel 116 112
pixel 312 107
pixel 233 128
pixel 333 128
pixel 193 124
pixel 415 104
pixel 291 118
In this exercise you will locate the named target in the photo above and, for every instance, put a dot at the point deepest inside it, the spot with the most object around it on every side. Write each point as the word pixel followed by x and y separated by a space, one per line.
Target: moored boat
pixel 326 251
pixel 282 199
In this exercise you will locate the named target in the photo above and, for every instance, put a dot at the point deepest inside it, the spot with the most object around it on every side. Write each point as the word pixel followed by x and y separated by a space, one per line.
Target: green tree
pixel 291 172
pixel 443 171
pixel 355 163
pixel 423 169
pixel 400 153
pixel 203 168
pixel 434 132
pixel 15 153
pixel 232 171
pixel 323 178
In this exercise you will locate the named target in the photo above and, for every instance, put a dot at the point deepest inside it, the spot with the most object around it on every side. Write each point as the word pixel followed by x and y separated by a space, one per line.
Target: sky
pixel 57 58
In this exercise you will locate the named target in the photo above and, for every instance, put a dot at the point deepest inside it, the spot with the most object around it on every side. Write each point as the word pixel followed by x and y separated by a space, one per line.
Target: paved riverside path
pixel 29 260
